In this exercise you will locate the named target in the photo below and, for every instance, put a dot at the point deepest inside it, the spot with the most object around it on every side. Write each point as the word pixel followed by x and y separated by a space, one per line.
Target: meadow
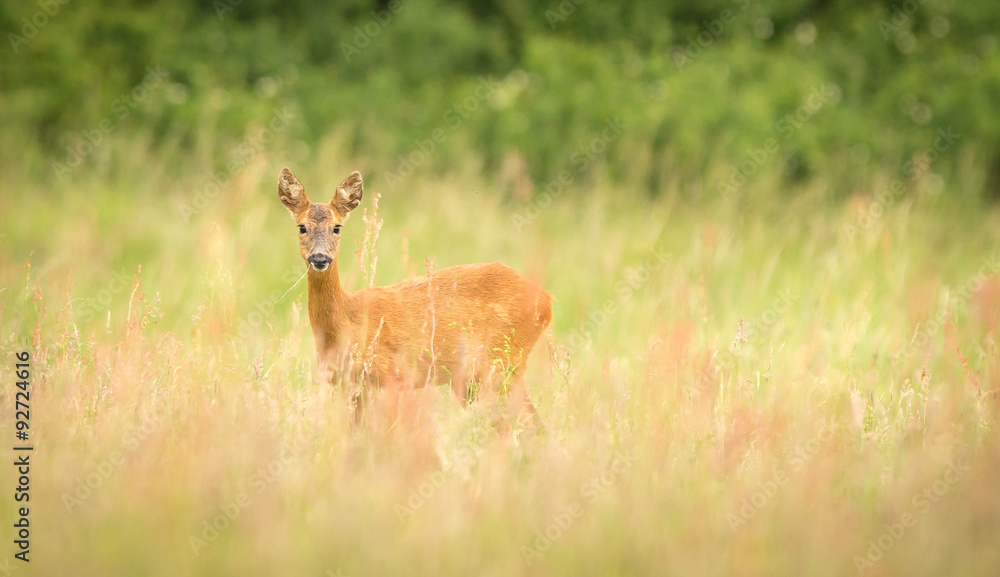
pixel 762 383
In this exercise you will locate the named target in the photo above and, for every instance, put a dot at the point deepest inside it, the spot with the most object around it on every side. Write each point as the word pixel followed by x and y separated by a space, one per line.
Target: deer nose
pixel 319 261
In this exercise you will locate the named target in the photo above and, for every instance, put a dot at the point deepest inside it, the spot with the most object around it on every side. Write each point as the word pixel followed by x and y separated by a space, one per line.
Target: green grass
pixel 764 401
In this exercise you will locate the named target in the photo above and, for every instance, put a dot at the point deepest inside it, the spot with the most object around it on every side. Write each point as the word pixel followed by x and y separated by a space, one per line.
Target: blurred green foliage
pixel 700 87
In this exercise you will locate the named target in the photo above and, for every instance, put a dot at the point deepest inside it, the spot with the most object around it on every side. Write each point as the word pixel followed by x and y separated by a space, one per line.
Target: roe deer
pixel 468 324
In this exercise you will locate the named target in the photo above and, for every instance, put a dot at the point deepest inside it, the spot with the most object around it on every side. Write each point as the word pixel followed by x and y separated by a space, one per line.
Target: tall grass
pixel 772 397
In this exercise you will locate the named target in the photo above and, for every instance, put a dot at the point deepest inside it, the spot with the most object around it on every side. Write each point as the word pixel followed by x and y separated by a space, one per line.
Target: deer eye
pixel 336 229
pixel 302 229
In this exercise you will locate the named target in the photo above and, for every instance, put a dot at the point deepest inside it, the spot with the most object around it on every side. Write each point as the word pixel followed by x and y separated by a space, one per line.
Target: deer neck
pixel 327 307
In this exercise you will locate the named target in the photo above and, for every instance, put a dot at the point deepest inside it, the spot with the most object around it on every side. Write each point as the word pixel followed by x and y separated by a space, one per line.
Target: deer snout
pixel 319 262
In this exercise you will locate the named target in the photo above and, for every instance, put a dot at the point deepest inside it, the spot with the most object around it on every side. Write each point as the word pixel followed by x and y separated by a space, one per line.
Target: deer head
pixel 319 224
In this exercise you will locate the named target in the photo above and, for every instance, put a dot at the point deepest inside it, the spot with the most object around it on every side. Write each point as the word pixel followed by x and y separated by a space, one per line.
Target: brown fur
pixel 467 323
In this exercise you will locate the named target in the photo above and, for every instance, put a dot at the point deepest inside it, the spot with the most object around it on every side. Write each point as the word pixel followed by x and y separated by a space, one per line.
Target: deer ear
pixel 348 195
pixel 292 193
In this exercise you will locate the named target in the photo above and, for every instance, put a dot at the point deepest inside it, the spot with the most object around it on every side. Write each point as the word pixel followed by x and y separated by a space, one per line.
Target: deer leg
pixel 460 386
pixel 520 411
pixel 513 412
